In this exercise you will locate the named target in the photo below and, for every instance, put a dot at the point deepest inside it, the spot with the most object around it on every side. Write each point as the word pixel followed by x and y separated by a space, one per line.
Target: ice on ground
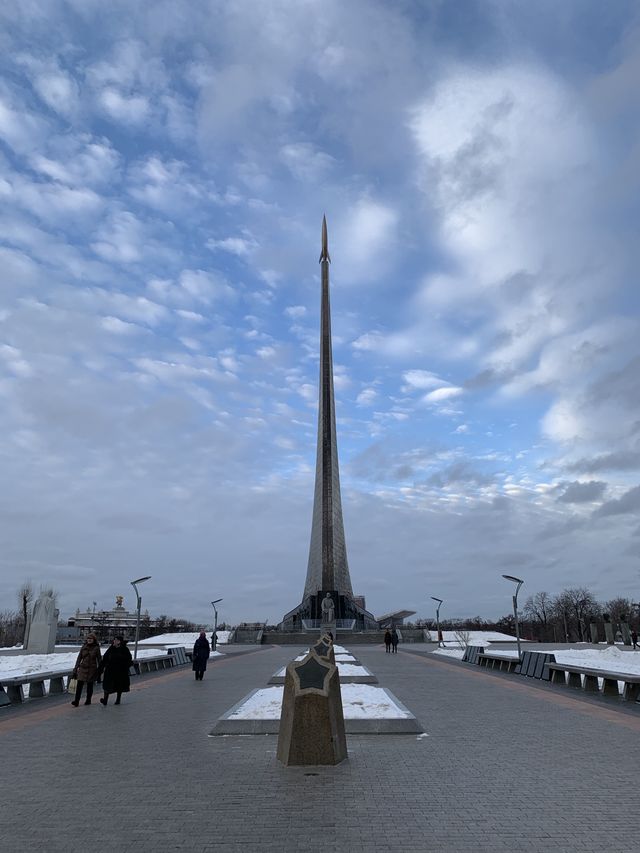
pixel 359 702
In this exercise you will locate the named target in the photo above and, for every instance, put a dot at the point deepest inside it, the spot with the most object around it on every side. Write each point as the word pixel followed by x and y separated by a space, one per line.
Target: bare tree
pixel 25 597
pixel 462 637
pixel 577 606
pixel 619 609
pixel 538 608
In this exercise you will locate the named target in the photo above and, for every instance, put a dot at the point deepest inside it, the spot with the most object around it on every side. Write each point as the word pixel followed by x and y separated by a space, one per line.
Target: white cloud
pixel 121 239
pixel 295 311
pixel 204 286
pixel 442 394
pixel 58 90
pixel 365 240
pixel 420 379
pixel 367 397
pixel 128 109
pixel 240 246
pixel 82 161
pixel 305 161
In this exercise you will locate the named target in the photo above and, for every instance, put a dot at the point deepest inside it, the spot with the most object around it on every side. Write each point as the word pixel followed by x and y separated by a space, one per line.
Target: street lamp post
pixel 439 600
pixel 135 588
pixel 214 638
pixel 515 608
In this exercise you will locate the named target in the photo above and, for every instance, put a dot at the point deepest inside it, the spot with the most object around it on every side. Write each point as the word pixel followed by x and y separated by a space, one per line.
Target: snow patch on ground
pixel 15 666
pixel 186 639
pixel 359 702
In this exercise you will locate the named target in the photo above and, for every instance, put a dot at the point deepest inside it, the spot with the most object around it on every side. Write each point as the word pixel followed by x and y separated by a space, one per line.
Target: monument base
pixel 311 720
pixel 347 615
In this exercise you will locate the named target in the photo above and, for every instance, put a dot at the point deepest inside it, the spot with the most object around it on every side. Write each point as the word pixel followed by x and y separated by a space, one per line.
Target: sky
pixel 164 170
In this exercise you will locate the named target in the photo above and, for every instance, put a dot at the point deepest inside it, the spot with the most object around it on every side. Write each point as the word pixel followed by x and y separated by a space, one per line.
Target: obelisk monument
pixel 328 576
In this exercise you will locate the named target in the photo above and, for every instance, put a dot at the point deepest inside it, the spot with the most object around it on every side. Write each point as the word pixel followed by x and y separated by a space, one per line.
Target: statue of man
pixel 328 610
pixel 43 609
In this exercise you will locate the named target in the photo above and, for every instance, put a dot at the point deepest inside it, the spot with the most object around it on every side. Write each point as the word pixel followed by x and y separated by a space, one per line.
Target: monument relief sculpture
pixel 43 609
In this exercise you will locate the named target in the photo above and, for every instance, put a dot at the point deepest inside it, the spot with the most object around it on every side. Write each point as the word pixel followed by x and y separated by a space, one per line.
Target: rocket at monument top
pixel 324 254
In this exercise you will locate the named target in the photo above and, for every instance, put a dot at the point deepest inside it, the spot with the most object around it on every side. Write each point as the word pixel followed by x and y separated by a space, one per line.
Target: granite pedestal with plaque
pixel 312 720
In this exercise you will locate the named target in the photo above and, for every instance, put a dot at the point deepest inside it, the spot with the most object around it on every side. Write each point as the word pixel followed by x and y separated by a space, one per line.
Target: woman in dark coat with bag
pixel 115 666
pixel 86 668
pixel 200 656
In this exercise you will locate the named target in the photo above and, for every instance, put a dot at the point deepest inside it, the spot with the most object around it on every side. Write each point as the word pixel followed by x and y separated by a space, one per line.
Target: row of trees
pixel 552 618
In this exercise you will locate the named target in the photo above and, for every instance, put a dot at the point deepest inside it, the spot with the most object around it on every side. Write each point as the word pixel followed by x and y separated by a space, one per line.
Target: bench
pixel 610 680
pixel 12 690
pixel 497 662
pixel 35 685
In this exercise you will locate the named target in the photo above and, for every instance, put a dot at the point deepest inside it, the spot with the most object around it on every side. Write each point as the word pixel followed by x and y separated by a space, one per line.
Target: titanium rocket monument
pixel 327 568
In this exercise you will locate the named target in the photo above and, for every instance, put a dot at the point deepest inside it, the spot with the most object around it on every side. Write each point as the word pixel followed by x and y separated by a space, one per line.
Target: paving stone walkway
pixel 507 766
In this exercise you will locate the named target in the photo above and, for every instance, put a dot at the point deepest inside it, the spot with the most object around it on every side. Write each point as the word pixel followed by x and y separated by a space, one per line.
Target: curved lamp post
pixel 515 608
pixel 214 639
pixel 439 600
pixel 133 584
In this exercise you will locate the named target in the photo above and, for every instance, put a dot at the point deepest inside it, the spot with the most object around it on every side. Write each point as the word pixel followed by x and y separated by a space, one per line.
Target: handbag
pixel 71 686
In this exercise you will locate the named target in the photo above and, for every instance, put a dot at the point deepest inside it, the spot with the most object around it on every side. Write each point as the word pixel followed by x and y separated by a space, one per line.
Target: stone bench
pixel 610 680
pixel 14 687
pixel 17 689
pixel 497 662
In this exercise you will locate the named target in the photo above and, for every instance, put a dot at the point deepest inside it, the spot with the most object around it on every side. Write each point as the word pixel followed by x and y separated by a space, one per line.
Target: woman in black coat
pixel 115 668
pixel 201 652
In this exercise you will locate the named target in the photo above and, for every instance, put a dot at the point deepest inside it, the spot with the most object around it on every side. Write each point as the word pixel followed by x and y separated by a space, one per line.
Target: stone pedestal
pixel 312 721
pixel 608 632
pixel 593 628
pixel 41 635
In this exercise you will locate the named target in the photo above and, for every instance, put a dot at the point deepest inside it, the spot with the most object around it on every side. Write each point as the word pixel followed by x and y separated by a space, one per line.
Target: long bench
pixel 497 662
pixel 12 690
pixel 631 680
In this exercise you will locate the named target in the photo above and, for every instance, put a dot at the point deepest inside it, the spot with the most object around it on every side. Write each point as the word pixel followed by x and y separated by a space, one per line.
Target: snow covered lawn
pixel 186 639
pixel 343 669
pixel 359 701
pixel 13 666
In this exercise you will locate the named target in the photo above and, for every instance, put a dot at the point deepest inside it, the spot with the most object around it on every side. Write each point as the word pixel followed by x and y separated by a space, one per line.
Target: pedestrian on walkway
pixel 201 652
pixel 86 668
pixel 387 641
pixel 115 665
pixel 634 639
pixel 394 641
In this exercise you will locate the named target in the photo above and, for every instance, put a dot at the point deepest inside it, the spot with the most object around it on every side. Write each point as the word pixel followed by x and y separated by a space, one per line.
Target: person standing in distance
pixel 201 652
pixel 394 641
pixel 115 665
pixel 387 641
pixel 86 668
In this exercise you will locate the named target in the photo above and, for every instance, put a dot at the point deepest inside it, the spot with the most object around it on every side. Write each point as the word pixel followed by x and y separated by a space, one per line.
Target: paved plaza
pixel 507 764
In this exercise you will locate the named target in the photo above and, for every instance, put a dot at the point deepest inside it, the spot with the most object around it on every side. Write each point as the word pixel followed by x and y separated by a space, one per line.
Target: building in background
pixel 107 623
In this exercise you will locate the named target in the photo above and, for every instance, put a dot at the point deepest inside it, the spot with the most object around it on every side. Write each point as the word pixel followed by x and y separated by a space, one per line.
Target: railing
pixel 19 688
pixel 316 624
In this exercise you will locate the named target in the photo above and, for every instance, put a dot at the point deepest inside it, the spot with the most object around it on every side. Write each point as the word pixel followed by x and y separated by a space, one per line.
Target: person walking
pixel 634 639
pixel 394 642
pixel 387 641
pixel 115 666
pixel 86 668
pixel 201 652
